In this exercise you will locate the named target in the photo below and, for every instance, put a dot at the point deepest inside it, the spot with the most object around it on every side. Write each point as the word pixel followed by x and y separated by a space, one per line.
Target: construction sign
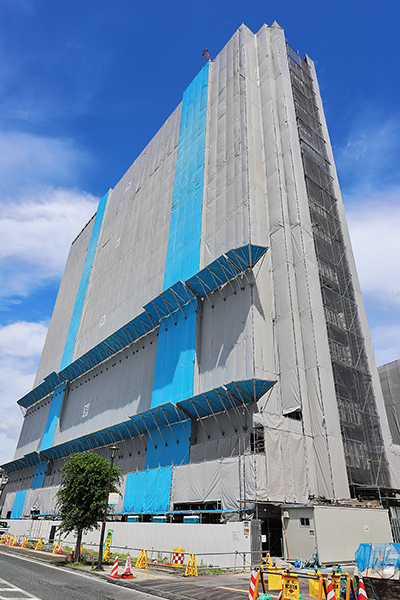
pixel 290 587
pixel 107 546
pixel 142 560
pixel 314 586
pixel 274 578
pixel 191 567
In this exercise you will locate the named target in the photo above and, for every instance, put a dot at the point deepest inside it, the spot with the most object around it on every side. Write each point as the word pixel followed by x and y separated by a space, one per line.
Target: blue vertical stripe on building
pixel 84 282
pixel 52 419
pixel 39 475
pixel 183 251
pixel 168 445
pixel 174 367
pixel 18 504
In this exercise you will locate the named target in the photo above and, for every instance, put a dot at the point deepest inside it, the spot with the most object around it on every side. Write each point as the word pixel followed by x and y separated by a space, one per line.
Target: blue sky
pixel 85 85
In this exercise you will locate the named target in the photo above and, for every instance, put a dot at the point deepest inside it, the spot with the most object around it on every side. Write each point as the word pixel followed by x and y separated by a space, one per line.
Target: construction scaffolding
pixel 361 432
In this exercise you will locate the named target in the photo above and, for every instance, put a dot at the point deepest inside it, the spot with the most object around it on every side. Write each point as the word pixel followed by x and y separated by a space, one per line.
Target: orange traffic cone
pixel 362 594
pixel 331 594
pixel 60 550
pixel 253 594
pixel 127 574
pixel 114 570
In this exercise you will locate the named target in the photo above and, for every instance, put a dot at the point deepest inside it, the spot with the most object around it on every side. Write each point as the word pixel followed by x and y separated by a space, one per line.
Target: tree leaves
pixel 82 494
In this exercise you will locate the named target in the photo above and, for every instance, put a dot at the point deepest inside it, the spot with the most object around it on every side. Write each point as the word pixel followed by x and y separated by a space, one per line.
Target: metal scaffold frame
pixel 361 432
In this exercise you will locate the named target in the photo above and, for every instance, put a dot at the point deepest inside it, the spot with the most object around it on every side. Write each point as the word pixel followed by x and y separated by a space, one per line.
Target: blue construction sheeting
pixel 148 491
pixel 231 395
pixel 183 251
pixel 29 460
pixel 169 301
pixel 103 437
pixel 206 281
pixel 211 277
pixel 124 336
pixel 18 505
pixel 246 256
pixel 159 416
pixel 41 390
pixel 168 445
pixel 174 366
pixel 52 419
pixel 83 284
pixel 39 476
pixel 224 268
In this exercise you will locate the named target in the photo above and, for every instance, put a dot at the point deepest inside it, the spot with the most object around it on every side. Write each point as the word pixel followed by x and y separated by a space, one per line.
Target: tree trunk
pixel 77 556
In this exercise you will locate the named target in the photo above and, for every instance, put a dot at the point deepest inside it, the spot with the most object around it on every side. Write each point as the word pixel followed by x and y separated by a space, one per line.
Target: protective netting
pixel 390 381
pixel 363 443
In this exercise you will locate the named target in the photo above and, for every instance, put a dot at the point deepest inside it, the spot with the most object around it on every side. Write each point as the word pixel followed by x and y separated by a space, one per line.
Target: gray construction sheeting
pixel 389 375
pixel 53 349
pixel 267 323
pixel 33 427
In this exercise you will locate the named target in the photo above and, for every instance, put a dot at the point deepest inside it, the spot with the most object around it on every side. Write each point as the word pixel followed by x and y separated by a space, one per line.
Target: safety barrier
pixel 287 582
pixel 178 558
pixel 160 559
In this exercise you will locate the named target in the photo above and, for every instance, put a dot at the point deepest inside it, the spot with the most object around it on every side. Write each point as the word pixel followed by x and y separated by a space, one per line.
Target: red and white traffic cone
pixel 362 594
pixel 127 574
pixel 60 550
pixel 330 594
pixel 253 580
pixel 114 570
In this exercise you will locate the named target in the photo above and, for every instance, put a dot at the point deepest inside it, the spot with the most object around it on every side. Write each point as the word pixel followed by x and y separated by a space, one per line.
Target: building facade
pixel 210 320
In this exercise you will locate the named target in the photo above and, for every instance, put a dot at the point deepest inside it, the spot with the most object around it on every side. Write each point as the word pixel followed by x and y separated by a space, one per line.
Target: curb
pixel 34 554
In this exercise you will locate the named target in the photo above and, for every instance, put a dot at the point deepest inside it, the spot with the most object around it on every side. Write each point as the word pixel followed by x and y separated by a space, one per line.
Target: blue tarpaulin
pixel 18 506
pixel 148 491
pixel 384 559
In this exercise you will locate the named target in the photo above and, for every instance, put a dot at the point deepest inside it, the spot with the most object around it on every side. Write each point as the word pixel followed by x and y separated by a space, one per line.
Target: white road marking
pixel 13 592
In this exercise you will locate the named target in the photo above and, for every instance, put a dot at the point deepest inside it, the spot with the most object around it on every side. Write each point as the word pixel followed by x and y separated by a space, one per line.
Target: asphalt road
pixel 22 578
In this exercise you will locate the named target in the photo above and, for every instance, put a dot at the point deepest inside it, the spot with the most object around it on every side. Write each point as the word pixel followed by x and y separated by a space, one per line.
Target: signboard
pixel 107 547
pixel 113 498
pixel 246 529
pixel 290 587
pixel 274 578
pixel 314 586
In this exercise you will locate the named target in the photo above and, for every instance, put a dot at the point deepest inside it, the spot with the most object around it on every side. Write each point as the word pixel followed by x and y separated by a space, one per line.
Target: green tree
pixel 83 491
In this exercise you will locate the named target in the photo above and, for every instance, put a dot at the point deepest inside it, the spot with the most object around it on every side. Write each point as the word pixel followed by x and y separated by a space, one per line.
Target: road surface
pixel 22 578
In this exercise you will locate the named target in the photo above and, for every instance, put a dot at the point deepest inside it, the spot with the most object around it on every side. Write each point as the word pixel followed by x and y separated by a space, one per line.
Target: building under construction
pixel 210 321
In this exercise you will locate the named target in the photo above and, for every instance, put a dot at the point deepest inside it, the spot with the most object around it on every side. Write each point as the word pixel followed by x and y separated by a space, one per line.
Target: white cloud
pixel 370 179
pixel 36 234
pixel 39 218
pixel 374 227
pixel 22 340
pixel 30 160
pixel 20 346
